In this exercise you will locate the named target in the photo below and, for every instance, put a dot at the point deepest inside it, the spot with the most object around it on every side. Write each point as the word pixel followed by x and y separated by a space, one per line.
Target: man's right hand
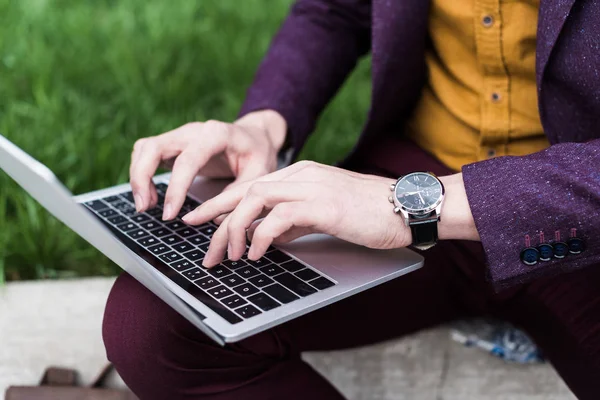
pixel 244 150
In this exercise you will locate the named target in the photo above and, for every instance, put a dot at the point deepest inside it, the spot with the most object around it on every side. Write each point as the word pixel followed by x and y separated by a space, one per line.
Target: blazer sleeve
pixel 315 49
pixel 554 190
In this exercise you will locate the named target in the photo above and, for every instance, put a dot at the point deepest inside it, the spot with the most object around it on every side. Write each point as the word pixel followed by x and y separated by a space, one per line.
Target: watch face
pixel 418 191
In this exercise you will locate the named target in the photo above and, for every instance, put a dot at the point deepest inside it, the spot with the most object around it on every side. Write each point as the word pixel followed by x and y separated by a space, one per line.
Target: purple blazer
pixel 510 197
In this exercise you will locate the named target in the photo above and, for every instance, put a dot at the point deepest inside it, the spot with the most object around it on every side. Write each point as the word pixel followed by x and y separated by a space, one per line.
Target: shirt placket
pixel 495 116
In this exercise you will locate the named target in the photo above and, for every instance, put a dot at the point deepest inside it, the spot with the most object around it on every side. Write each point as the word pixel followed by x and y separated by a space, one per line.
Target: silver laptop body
pixel 349 268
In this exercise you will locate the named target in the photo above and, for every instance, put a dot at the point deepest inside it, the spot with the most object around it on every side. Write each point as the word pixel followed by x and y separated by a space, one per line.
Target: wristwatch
pixel 418 196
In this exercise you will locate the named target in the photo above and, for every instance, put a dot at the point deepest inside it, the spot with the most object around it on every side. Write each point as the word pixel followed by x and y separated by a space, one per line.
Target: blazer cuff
pixel 511 197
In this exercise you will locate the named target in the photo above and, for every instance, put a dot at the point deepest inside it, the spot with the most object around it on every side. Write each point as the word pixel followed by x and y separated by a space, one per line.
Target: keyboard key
pixel 322 283
pixel 198 240
pixel 246 289
pixel 259 263
pixel 139 218
pixel 122 205
pixel 96 205
pixel 194 273
pixel 127 226
pixel 183 247
pixel 307 274
pixel 128 196
pixel 161 232
pixel 219 292
pixel 137 233
pixel 170 257
pixel 207 230
pixel 247 272
pixel 174 225
pixel 234 264
pixel 182 265
pixel 150 225
pixel 292 266
pixel 232 280
pixel 261 280
pixel 204 246
pixel 108 213
pixel 270 249
pixel 207 283
pixel 280 293
pixel 271 270
pixel 233 301
pixel 155 212
pixel 129 212
pixel 118 220
pixel 161 187
pixel 278 257
pixel 171 240
pixel 263 301
pixel 194 255
pixel 190 203
pixel 160 199
pixel 295 284
pixel 159 249
pixel 149 241
pixel 111 199
pixel 247 311
pixel 187 232
pixel 219 271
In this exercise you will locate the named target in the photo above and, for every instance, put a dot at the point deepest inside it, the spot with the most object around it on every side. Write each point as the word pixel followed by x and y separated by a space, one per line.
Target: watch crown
pixel 391 199
pixel 392 187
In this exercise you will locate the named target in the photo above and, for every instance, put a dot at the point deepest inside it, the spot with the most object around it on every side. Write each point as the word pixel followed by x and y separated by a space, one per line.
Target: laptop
pixel 231 301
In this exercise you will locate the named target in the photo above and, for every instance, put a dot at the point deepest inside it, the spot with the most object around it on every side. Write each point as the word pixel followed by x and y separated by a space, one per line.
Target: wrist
pixel 271 122
pixel 456 222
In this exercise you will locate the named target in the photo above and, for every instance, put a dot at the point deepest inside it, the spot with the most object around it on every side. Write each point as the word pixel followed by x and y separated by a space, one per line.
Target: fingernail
pixel 167 212
pixel 229 250
pixel 139 203
pixel 186 217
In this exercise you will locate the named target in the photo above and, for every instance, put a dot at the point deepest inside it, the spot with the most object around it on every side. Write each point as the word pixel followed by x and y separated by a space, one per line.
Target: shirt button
pixel 491 153
pixel 487 21
pixel 496 97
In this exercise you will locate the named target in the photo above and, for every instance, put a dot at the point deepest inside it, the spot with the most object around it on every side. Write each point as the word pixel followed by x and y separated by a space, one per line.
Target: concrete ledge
pixel 49 323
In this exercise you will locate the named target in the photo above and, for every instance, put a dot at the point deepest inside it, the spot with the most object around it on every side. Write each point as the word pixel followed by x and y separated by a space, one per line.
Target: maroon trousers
pixel 162 356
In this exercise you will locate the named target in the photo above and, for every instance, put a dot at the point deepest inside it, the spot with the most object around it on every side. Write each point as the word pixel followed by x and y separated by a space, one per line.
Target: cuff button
pixel 576 245
pixel 561 249
pixel 546 252
pixel 530 256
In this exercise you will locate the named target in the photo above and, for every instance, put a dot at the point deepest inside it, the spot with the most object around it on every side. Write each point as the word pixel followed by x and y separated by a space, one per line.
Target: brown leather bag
pixel 61 384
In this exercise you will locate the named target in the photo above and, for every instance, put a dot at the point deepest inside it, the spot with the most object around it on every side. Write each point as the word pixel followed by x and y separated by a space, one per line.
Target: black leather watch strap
pixel 424 233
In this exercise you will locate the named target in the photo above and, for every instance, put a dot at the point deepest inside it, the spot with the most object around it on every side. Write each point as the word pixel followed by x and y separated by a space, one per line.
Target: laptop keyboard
pixel 236 290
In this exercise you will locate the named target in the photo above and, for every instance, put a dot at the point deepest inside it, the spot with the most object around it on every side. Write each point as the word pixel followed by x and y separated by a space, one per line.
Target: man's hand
pixel 304 198
pixel 245 149
pixel 307 197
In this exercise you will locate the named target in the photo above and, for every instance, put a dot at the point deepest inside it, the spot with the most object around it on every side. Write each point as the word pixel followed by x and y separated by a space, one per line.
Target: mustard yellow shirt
pixel 480 100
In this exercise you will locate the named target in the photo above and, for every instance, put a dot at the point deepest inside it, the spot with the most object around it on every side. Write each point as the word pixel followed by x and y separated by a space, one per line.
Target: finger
pixel 186 166
pixel 280 220
pixel 145 161
pixel 153 196
pixel 225 202
pixel 261 196
pixel 217 247
pixel 219 220
pixel 139 195
pixel 292 234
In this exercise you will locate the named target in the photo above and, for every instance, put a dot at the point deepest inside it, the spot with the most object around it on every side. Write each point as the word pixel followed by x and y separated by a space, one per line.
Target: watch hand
pixel 421 197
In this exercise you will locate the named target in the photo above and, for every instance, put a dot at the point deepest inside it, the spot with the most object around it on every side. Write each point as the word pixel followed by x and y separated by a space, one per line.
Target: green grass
pixel 81 80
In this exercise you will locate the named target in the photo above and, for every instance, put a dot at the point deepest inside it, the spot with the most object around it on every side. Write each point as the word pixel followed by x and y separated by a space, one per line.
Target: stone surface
pixel 50 323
